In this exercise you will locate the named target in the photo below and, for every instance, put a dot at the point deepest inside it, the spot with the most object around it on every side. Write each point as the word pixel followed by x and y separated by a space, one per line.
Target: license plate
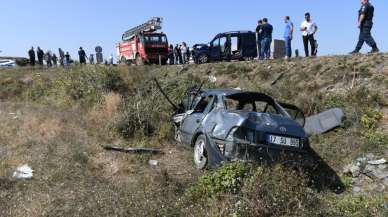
pixel 285 141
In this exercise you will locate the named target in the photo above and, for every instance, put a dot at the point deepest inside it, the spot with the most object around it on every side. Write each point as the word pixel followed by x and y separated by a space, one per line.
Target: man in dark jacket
pixel 31 54
pixel 365 24
pixel 82 56
pixel 266 31
pixel 40 54
pixel 259 38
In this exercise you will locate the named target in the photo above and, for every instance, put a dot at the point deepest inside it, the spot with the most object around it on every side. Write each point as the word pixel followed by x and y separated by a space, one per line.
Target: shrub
pixel 227 179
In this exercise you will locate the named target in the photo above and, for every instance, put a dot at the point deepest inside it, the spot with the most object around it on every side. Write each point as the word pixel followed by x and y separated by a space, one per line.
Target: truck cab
pixel 143 44
pixel 238 45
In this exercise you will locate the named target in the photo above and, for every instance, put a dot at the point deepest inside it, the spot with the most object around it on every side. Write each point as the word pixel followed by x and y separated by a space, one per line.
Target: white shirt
pixel 310 28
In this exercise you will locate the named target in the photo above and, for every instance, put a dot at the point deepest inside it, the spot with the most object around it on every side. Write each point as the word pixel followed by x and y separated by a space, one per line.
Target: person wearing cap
pixel 309 28
pixel 365 24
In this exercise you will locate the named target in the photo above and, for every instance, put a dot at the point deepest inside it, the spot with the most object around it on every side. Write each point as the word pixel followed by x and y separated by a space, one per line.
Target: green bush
pixel 227 179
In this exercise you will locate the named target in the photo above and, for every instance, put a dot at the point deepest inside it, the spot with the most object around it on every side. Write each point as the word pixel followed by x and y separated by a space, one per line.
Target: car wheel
pixel 203 59
pixel 139 61
pixel 200 153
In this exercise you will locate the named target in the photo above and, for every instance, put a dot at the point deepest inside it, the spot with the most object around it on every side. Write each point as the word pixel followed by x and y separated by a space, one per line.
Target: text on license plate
pixel 280 140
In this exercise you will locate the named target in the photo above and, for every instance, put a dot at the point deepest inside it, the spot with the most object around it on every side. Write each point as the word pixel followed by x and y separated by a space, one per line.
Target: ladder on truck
pixel 150 26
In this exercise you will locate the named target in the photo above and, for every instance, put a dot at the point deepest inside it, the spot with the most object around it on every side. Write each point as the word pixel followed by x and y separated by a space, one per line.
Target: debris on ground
pixel 153 163
pixel 377 162
pixel 23 172
pixel 368 174
pixel 134 150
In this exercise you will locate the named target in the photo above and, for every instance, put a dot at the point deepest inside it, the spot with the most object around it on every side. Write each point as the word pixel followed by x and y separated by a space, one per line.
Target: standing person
pixel 111 59
pixel 308 28
pixel 266 31
pixel 31 54
pixel 259 37
pixel 55 60
pixel 40 54
pixel 180 54
pixel 365 24
pixel 82 56
pixel 49 59
pixel 171 54
pixel 288 34
pixel 67 59
pixel 91 59
pixel 184 53
pixel 61 57
pixel 177 54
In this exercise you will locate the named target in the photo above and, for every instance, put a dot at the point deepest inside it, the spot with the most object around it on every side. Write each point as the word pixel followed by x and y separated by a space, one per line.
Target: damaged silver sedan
pixel 228 124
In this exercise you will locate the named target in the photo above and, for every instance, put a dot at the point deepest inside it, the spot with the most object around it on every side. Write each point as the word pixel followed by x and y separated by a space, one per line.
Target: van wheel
pixel 200 153
pixel 139 61
pixel 203 59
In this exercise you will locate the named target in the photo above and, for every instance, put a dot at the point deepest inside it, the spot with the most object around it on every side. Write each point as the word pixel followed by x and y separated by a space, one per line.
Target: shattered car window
pixel 249 106
pixel 203 104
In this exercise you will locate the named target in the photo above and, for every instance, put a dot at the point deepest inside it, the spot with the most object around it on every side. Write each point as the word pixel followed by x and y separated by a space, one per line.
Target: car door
pixel 215 49
pixel 193 120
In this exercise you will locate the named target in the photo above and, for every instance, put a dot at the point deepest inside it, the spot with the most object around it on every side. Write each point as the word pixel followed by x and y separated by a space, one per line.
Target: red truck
pixel 143 45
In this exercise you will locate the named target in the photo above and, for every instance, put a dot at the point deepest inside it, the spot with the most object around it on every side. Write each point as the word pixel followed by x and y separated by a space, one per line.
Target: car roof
pixel 237 32
pixel 221 91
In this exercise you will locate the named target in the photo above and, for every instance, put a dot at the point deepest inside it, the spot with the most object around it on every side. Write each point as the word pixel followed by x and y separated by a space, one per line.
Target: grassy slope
pixel 57 120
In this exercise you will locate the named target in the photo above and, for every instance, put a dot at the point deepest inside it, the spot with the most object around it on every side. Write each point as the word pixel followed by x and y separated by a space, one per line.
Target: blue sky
pixel 73 23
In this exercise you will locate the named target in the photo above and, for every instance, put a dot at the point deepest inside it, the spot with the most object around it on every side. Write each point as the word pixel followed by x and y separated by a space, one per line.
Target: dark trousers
pixel 40 60
pixel 32 61
pixel 288 47
pixel 259 51
pixel 306 40
pixel 266 47
pixel 366 36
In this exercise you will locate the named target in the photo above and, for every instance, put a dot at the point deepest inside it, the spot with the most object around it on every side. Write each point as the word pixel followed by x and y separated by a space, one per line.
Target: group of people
pixel 264 32
pixel 64 59
pixel 180 54
pixel 309 29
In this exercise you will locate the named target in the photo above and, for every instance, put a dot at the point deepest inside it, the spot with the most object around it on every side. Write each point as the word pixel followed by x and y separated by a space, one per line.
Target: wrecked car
pixel 227 124
pixel 230 124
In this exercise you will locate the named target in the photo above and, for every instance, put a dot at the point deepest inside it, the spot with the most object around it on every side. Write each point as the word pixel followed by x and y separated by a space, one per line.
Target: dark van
pixel 239 45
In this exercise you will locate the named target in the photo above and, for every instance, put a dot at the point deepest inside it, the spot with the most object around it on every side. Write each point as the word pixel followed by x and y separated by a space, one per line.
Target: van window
pixel 223 44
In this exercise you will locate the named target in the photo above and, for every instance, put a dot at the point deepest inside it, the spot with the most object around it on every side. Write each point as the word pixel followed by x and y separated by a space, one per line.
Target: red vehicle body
pixel 144 48
pixel 143 44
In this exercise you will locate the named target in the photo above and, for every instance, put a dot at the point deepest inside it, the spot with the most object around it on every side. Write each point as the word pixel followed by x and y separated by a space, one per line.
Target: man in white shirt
pixel 309 28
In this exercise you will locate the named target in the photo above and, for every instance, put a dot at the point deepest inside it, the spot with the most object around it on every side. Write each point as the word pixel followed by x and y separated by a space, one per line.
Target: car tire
pixel 203 58
pixel 200 153
pixel 139 61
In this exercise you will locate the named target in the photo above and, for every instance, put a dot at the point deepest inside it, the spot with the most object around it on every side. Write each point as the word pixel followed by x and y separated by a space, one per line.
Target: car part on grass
pixel 324 122
pixel 134 150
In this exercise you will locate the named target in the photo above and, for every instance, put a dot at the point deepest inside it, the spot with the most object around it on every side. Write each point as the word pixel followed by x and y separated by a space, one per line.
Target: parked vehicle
pixel 238 45
pixel 143 45
pixel 5 63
